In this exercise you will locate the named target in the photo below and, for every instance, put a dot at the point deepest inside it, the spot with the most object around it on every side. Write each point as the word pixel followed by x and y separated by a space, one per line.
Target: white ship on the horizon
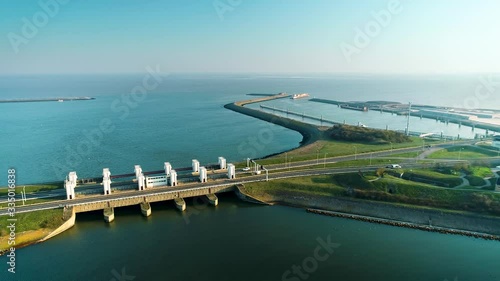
pixel 299 96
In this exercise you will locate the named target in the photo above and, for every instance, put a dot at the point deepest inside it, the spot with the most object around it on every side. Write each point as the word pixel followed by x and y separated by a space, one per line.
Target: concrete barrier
pixel 109 215
pixel 180 204
pixel 212 199
pixel 146 209
pixel 243 195
pixel 70 216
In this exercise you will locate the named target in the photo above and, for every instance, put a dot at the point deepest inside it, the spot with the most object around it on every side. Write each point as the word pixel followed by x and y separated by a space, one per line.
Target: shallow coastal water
pixel 184 119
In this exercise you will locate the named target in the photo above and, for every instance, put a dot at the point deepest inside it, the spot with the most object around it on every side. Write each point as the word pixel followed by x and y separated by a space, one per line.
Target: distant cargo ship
pixel 299 96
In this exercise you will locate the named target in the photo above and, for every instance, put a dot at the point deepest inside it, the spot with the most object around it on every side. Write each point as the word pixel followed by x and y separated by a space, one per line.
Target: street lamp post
pixel 24 195
pixel 459 153
pixel 317 156
pixel 286 158
pixel 324 161
pixel 371 154
pixel 355 152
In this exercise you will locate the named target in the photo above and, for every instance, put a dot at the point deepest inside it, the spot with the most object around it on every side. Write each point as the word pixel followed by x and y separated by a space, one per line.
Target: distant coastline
pixel 60 99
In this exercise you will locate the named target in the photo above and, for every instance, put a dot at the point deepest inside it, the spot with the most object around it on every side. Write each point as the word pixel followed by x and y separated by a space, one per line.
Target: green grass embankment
pixel 333 148
pixel 462 152
pixel 30 227
pixel 32 188
pixel 386 189
pixel 432 177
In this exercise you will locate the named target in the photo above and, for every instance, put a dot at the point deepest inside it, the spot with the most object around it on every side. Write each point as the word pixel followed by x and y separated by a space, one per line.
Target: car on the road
pixel 246 169
pixel 393 166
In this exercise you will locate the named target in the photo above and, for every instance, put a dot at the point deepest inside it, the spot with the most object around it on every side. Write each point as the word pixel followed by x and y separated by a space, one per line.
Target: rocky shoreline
pixel 405 224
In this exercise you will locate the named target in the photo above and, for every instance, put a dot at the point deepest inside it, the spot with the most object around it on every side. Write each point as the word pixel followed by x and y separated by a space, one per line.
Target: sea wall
pixel 429 228
pixel 245 196
pixel 70 215
pixel 310 133
pixel 402 213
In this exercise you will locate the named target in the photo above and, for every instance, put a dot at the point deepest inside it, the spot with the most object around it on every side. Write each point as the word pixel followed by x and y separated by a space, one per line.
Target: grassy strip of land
pixel 386 189
pixel 480 171
pixel 30 227
pixel 432 177
pixel 354 163
pixel 332 148
pixel 32 188
pixel 475 180
pixel 462 152
pixel 406 155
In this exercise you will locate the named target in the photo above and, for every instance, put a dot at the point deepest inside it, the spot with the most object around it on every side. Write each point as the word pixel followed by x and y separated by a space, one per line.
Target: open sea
pixel 181 118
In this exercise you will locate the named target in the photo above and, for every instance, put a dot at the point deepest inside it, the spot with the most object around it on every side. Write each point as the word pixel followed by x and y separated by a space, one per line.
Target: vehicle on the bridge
pixel 393 166
pixel 246 169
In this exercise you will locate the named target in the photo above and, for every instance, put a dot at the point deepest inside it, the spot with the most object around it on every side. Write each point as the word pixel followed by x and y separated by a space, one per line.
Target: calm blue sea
pixel 183 118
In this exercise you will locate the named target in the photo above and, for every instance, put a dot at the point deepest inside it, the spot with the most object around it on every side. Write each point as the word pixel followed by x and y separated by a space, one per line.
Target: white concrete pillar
pixel 70 190
pixel 222 163
pixel 196 166
pixel 106 181
pixel 231 171
pixel 203 174
pixel 140 181
pixel 168 168
pixel 173 178
pixel 137 170
pixel 70 184
pixel 73 177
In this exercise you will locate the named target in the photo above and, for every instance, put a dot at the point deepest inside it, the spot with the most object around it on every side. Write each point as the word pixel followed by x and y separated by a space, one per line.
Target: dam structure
pixel 155 186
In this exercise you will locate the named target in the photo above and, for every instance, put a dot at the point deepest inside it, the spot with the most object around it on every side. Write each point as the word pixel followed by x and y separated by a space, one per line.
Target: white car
pixel 393 166
pixel 246 169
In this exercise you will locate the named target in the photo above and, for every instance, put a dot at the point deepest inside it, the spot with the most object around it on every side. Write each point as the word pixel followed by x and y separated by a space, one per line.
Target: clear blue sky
pixel 92 36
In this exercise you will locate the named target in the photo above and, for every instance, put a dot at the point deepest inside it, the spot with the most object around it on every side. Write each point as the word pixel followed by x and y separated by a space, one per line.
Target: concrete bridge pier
pixel 146 209
pixel 180 204
pixel 109 215
pixel 212 199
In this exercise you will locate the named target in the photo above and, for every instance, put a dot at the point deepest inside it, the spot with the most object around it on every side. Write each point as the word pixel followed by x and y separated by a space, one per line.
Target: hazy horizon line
pixel 257 73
